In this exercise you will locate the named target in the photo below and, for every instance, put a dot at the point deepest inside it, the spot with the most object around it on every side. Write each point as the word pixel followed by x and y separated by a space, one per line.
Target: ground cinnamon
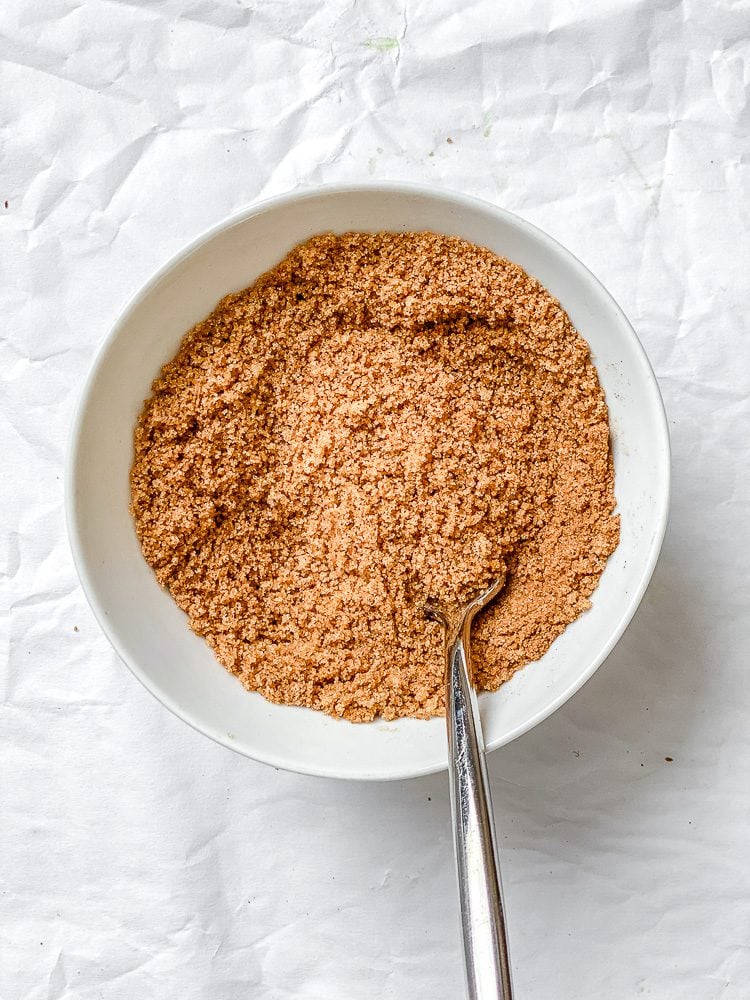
pixel 378 419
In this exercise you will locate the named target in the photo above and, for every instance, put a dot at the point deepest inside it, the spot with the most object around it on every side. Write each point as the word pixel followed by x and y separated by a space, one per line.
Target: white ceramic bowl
pixel 148 630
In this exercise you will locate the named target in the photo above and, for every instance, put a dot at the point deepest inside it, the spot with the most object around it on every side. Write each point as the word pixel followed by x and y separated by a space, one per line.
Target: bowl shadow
pixel 634 713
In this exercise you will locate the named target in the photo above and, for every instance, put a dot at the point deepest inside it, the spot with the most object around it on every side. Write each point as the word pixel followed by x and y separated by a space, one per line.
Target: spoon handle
pixel 485 941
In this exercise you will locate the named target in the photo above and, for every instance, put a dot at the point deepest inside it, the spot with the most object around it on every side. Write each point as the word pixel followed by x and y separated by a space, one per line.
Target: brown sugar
pixel 380 418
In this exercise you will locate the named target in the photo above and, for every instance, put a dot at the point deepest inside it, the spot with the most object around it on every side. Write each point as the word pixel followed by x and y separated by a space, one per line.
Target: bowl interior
pixel 148 630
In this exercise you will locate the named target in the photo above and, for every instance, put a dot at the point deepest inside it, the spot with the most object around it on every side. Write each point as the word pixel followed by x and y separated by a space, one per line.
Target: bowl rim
pixel 447 196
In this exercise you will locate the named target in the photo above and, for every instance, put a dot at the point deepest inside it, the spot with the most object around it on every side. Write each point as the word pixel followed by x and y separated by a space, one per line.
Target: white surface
pixel 138 859
pixel 152 635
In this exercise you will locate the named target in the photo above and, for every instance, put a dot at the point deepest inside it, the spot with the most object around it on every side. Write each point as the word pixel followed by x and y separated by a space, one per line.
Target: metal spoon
pixel 485 937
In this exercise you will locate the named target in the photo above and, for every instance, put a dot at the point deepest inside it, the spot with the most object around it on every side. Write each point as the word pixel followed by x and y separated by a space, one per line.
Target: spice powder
pixel 380 418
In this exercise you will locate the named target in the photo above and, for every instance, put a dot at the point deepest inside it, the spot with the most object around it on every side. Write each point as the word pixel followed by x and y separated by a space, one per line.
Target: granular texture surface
pixel 380 419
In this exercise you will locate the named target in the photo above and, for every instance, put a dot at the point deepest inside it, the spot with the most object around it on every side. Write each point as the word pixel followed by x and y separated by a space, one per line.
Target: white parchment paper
pixel 137 859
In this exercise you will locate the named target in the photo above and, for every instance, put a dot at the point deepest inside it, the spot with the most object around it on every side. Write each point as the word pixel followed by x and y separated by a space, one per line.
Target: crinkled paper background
pixel 137 859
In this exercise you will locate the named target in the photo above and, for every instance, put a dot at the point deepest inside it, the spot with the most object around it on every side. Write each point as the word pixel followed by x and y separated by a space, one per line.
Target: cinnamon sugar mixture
pixel 379 419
